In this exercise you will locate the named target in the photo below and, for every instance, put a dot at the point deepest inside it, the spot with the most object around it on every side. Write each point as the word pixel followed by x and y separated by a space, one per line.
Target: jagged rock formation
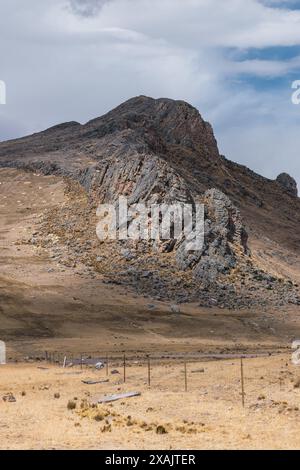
pixel 225 239
pixel 287 182
pixel 162 151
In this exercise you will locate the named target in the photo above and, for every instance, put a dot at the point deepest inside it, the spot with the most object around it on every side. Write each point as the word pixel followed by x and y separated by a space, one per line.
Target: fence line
pixel 186 376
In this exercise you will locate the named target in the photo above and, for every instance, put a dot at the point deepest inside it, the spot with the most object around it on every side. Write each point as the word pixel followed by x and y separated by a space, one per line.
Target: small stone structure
pixel 2 353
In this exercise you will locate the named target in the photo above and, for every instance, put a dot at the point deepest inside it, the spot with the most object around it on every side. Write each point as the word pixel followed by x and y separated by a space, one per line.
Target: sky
pixel 234 60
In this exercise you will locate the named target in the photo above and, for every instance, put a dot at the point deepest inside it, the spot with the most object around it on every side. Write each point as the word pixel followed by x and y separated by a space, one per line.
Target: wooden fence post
pixel 242 383
pixel 149 372
pixel 124 364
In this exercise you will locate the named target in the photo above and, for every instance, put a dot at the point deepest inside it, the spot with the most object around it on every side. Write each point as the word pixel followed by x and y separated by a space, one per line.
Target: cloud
pixel 76 59
pixel 234 23
pixel 87 7
pixel 266 68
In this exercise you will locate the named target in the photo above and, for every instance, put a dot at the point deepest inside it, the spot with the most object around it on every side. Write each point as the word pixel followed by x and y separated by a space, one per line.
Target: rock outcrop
pixel 288 183
pixel 225 239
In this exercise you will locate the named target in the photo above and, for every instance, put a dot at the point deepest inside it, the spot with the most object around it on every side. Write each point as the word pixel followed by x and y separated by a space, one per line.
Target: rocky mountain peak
pixel 159 124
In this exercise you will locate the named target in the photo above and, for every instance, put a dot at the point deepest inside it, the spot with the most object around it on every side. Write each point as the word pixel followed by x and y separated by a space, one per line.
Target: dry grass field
pixel 208 416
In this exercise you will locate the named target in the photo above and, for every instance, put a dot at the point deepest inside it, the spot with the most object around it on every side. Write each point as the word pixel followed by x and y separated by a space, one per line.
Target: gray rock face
pixel 225 239
pixel 141 178
pixel 287 182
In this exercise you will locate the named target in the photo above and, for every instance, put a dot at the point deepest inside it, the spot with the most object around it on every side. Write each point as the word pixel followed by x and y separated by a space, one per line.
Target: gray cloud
pixel 61 63
pixel 87 7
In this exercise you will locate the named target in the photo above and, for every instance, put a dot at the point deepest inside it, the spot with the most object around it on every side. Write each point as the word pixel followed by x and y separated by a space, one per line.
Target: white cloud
pixel 266 68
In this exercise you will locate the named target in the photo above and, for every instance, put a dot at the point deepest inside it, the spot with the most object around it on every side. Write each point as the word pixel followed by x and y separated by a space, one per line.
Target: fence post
pixel 242 383
pixel 185 377
pixel 124 368
pixel 149 372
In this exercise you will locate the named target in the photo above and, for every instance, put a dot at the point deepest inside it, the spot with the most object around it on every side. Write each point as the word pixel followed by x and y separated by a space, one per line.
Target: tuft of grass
pixel 261 397
pixel 161 430
pixel 71 405
pixel 106 428
pixel 297 383
pixel 98 417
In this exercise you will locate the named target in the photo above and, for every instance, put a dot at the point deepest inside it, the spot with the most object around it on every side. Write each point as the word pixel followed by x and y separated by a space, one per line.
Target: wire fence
pixel 122 365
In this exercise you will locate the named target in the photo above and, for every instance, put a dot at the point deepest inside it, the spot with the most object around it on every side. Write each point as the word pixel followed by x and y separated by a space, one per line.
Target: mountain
pixel 162 151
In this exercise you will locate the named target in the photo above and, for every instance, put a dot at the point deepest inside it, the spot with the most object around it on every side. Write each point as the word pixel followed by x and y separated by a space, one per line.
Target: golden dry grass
pixel 208 416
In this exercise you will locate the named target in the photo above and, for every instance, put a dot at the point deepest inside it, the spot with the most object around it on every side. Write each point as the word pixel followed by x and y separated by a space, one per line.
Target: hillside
pixel 162 151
